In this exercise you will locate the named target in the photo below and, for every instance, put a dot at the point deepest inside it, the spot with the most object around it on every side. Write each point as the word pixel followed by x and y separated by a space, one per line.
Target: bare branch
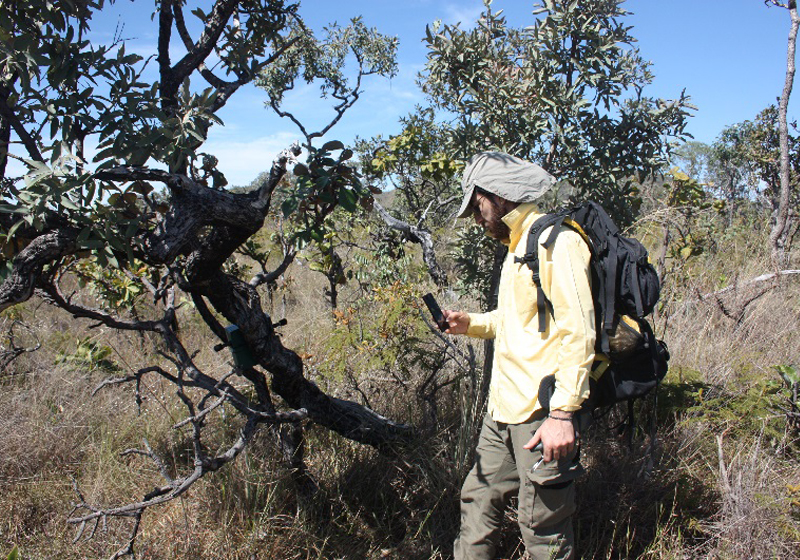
pixel 208 317
pixel 13 352
pixel 217 19
pixel 348 99
pixel 165 493
pixel 417 235
pixel 776 3
pixel 51 293
pixel 136 377
pixel 129 173
pixel 267 278
pixel 152 455
pixel 757 280
pixel 781 226
pixel 276 173
pixel 199 417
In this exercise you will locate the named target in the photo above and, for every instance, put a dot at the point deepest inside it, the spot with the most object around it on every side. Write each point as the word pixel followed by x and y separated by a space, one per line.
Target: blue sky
pixel 729 55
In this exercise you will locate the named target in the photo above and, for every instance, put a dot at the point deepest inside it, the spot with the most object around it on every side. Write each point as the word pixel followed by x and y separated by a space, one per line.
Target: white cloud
pixel 466 14
pixel 242 160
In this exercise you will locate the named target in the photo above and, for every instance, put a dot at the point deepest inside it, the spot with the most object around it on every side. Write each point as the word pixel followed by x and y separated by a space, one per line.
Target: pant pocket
pixel 550 490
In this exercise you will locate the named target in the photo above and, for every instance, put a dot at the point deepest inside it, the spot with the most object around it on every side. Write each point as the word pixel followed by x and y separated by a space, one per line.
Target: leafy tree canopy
pixel 567 92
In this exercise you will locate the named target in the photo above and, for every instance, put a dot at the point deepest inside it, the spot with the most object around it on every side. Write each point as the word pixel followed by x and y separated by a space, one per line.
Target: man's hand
pixel 457 321
pixel 557 435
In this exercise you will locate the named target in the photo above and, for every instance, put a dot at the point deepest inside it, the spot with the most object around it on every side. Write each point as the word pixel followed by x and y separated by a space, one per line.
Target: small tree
pixel 416 166
pixel 746 163
pixel 151 207
pixel 567 92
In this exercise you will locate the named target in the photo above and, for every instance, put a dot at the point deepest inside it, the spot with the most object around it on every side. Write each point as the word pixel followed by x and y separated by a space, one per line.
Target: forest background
pixel 194 369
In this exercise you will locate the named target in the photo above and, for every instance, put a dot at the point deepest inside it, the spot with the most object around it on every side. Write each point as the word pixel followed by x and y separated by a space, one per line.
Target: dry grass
pixel 716 482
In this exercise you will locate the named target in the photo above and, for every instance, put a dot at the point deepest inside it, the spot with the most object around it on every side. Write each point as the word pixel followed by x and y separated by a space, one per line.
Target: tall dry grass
pixel 714 480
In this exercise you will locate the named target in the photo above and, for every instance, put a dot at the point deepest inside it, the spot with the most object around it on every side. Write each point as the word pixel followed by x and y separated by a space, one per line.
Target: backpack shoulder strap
pixel 531 259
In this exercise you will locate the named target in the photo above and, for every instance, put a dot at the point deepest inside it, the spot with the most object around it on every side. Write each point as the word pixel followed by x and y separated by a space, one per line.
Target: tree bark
pixel 781 227
pixel 29 263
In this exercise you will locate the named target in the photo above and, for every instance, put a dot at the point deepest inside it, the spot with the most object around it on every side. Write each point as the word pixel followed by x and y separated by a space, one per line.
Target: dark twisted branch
pixel 225 89
pixel 269 277
pixel 194 206
pixel 10 117
pixel 51 292
pixel 212 30
pixel 45 249
pixel 240 304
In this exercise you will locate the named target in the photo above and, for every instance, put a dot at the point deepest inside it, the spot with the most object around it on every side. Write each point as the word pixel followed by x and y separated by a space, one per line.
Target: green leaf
pixel 13 229
pixel 67 203
pixel 287 207
pixel 348 199
pixel 332 145
pixel 83 236
pixel 111 259
pixel 132 228
pixel 789 374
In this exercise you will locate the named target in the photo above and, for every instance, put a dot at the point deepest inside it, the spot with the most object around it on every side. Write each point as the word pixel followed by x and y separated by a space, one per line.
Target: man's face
pixel 488 213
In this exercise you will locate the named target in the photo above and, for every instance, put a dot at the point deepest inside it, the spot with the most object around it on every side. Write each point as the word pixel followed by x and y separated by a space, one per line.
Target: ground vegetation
pixel 117 375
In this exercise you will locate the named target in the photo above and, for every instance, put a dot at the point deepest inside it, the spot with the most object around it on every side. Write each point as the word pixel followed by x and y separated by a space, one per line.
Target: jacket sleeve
pixel 567 284
pixel 482 325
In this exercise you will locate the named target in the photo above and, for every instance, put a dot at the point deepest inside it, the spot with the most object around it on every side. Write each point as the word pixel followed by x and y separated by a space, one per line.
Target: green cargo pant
pixel 546 495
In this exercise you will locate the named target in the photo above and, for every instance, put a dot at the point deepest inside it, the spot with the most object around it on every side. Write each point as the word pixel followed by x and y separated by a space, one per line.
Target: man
pixel 500 191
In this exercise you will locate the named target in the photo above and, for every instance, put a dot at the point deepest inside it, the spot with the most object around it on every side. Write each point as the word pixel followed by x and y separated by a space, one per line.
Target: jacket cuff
pixel 563 400
pixel 480 325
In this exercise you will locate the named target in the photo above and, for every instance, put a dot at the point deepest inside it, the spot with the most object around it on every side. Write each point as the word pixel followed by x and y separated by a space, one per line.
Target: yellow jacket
pixel 522 355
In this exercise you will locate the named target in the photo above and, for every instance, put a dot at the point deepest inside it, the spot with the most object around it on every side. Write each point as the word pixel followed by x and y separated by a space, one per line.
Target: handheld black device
pixel 436 312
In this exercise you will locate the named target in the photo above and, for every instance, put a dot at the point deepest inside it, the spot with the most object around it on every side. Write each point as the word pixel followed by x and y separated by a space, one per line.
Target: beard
pixel 494 225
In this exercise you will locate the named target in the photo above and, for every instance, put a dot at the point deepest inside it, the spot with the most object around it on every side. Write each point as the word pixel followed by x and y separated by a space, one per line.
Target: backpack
pixel 625 288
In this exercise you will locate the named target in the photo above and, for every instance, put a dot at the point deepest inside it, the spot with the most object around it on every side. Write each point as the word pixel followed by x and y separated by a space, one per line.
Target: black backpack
pixel 625 288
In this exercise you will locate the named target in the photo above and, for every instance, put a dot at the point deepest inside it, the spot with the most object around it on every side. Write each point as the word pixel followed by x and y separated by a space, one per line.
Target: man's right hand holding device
pixel 457 321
